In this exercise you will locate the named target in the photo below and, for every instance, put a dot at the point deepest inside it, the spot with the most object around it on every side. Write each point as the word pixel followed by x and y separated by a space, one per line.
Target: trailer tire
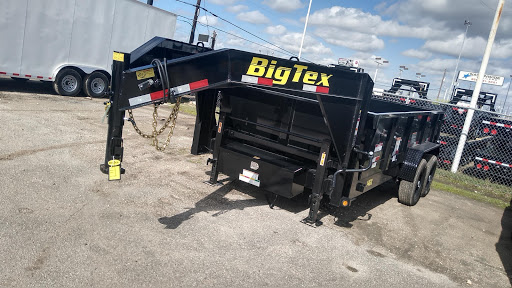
pixel 409 192
pixel 429 175
pixel 96 84
pixel 68 82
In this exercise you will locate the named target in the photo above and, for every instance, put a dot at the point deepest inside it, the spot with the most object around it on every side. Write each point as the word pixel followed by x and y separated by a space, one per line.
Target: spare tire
pixel 68 82
pixel 96 84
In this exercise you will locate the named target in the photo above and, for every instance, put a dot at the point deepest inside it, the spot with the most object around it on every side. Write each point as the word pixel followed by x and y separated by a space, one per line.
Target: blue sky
pixel 425 36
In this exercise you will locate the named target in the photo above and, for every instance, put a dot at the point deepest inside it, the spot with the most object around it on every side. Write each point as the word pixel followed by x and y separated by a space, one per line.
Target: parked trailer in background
pixel 70 42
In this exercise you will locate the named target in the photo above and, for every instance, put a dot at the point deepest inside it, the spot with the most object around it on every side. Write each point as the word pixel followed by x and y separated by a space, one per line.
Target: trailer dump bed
pixel 285 126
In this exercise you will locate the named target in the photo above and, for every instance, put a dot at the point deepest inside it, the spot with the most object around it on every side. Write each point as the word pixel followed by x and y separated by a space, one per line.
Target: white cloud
pixel 291 42
pixel 353 40
pixel 254 17
pixel 420 54
pixel 275 30
pixel 473 47
pixel 284 5
pixel 358 21
pixel 223 2
pixel 208 20
pixel 237 8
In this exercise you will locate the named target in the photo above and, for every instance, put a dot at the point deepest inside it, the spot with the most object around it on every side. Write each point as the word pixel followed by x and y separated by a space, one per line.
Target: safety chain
pixel 170 120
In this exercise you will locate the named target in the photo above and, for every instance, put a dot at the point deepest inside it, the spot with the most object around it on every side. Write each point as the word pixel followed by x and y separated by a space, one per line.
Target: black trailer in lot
pixel 285 126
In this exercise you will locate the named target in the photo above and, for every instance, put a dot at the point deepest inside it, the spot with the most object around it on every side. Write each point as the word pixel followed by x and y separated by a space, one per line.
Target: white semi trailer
pixel 70 42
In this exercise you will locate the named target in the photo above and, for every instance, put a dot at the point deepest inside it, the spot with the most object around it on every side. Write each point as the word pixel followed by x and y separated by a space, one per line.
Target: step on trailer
pixel 283 125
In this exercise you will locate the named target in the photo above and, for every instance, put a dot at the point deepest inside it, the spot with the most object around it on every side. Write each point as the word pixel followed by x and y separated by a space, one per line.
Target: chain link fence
pixel 488 150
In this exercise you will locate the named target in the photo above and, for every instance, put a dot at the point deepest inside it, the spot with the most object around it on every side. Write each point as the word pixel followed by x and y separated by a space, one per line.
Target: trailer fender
pixel 84 69
pixel 413 158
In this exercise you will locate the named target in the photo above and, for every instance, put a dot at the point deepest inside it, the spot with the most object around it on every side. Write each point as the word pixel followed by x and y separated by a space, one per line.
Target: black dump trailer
pixel 454 122
pixel 495 159
pixel 285 126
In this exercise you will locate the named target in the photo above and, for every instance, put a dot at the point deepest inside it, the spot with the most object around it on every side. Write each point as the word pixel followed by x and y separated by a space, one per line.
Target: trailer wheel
pixel 409 192
pixel 429 175
pixel 95 85
pixel 68 82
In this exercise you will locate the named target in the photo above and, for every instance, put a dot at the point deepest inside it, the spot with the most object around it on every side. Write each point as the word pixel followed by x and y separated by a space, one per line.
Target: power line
pixel 252 34
pixel 234 35
pixel 486 5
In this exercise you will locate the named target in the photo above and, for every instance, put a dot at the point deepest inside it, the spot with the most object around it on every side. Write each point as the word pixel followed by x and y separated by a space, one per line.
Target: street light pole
pixel 467 24
pixel 478 86
pixel 505 103
pixel 379 62
pixel 305 26
pixel 402 68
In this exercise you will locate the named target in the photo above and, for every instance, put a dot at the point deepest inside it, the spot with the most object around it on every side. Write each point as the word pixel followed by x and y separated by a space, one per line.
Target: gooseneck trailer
pixel 286 126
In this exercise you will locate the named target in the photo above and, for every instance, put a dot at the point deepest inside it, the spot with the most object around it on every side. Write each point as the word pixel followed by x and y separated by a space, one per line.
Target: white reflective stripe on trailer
pixel 493 162
pixel 497 124
pixel 26 76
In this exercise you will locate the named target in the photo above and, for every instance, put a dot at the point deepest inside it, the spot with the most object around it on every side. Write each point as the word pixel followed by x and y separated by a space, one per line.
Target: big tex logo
pixel 281 75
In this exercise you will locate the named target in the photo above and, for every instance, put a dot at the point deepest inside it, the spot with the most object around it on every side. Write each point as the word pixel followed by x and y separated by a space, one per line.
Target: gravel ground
pixel 62 224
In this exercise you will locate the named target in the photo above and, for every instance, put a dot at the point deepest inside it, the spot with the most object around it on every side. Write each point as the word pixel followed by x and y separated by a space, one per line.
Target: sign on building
pixel 488 79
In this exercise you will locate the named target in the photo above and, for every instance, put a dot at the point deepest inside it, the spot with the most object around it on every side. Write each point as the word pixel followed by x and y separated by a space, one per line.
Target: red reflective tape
pixel 320 89
pixel 510 165
pixel 455 108
pixel 493 123
pixel 265 81
pixel 413 101
pixel 198 84
pixel 27 75
pixel 485 160
pixel 499 163
pixel 40 77
pixel 403 99
pixel 4 73
pixel 156 95
pixel 15 74
pixel 507 125
pixel 442 142
pixel 447 161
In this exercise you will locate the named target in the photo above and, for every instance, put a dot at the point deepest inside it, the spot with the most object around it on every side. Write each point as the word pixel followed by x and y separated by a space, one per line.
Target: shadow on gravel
pixel 215 202
pixel 358 210
pixel 504 245
pixel 30 86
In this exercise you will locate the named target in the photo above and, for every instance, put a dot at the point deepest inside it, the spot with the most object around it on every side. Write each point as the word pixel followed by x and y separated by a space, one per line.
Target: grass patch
pixel 188 108
pixel 474 188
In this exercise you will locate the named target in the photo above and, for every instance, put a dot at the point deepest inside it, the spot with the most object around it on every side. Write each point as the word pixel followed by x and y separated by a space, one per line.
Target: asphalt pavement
pixel 63 224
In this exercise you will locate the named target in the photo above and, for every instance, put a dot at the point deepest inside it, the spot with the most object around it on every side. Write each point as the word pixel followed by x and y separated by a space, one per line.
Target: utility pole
pixel 213 38
pixel 441 88
pixel 192 33
pixel 478 86
pixel 305 27
pixel 467 24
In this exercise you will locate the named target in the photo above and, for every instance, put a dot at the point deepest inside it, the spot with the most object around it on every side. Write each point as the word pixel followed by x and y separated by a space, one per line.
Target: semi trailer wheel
pixel 95 84
pixel 429 174
pixel 68 82
pixel 409 192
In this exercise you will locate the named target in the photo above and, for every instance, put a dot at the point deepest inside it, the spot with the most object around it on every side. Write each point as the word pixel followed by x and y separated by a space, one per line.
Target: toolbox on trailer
pixel 283 125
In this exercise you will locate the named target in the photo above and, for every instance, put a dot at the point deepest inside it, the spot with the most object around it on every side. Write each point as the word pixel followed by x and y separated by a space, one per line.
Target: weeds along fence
pixel 488 150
